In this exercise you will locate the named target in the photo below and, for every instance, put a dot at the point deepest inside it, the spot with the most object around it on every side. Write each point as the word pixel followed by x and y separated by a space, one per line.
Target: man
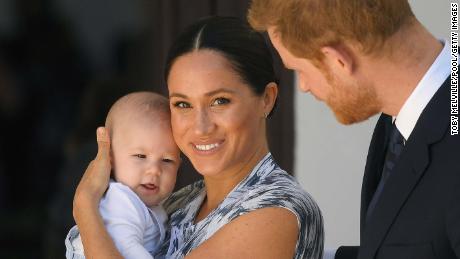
pixel 364 57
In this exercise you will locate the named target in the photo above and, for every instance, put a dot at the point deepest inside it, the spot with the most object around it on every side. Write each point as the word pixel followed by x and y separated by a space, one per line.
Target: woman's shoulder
pixel 271 186
pixel 183 196
pixel 279 189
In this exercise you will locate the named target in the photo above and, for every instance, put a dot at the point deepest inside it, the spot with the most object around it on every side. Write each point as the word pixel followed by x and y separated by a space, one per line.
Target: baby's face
pixel 146 159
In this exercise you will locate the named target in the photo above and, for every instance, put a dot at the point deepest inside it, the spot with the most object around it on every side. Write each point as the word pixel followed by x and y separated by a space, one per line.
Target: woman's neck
pixel 218 187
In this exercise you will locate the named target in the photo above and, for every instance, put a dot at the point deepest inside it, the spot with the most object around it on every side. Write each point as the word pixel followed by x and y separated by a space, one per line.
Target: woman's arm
pixel 263 233
pixel 96 241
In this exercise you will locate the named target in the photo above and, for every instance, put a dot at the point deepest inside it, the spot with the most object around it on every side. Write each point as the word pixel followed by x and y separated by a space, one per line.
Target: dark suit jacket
pixel 418 213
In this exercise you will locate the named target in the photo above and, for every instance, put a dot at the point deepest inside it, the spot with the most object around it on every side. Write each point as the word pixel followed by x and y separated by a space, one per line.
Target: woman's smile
pixel 209 147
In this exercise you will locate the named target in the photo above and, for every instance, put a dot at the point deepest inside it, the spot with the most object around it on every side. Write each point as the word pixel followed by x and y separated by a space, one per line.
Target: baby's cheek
pixel 171 181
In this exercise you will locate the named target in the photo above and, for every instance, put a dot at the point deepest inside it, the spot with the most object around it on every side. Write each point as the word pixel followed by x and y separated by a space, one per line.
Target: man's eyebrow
pixel 211 93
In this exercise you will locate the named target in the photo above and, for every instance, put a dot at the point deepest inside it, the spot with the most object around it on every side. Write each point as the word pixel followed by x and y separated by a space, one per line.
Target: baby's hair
pixel 138 105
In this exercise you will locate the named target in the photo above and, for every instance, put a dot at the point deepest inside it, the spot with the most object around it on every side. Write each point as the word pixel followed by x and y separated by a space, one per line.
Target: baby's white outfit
pixel 137 230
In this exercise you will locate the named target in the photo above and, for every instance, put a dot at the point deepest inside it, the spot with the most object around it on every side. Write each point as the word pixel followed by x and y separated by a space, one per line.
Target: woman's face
pixel 217 120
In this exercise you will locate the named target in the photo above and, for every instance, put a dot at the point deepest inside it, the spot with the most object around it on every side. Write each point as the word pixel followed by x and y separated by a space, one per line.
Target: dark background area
pixel 62 64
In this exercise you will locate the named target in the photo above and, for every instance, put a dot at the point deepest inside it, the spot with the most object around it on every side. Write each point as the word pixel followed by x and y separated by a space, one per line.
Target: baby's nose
pixel 153 169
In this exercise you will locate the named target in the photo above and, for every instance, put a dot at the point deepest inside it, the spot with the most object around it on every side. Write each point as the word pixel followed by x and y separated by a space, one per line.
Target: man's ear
pixel 270 95
pixel 339 59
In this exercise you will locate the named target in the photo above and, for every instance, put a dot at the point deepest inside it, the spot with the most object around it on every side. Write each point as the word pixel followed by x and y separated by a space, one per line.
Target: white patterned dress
pixel 266 186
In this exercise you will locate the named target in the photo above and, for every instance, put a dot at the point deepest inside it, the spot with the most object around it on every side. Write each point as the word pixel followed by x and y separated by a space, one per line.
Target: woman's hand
pixel 94 236
pixel 95 179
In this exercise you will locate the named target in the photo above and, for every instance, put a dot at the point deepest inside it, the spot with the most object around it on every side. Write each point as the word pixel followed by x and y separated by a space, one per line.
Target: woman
pixel 222 89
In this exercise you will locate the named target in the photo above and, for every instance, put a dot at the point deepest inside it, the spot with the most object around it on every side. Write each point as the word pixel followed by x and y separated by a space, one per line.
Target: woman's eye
pixel 182 105
pixel 140 156
pixel 221 101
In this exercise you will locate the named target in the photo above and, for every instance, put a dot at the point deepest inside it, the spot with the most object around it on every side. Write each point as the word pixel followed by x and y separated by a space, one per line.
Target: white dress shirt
pixel 422 94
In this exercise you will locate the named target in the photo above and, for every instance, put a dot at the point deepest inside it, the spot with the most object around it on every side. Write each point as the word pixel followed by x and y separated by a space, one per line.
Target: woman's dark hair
pixel 244 48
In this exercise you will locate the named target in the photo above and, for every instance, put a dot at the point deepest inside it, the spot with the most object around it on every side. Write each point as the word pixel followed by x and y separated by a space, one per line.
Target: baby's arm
pixel 124 216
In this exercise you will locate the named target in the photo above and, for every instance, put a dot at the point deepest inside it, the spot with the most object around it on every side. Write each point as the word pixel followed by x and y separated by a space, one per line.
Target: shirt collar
pixel 423 92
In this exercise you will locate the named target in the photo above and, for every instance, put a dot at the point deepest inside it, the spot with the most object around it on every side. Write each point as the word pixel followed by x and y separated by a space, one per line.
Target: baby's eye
pixel 182 105
pixel 168 160
pixel 140 156
pixel 221 101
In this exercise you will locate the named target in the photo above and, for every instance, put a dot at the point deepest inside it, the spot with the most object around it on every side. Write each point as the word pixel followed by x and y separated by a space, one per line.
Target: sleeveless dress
pixel 266 186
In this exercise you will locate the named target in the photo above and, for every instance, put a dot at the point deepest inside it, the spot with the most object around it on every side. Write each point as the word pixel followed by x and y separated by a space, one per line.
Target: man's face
pixel 350 100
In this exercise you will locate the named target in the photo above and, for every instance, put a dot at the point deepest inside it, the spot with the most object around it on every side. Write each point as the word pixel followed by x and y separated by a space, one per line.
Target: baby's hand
pixel 95 180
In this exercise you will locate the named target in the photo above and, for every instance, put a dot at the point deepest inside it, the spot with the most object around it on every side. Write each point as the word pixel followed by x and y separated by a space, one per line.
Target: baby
pixel 145 160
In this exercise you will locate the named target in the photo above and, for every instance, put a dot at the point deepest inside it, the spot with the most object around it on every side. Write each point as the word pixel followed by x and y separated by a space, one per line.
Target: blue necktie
pixel 394 150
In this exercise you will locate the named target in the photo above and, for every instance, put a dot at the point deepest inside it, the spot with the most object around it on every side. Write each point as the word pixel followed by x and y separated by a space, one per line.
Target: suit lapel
pixel 429 129
pixel 374 164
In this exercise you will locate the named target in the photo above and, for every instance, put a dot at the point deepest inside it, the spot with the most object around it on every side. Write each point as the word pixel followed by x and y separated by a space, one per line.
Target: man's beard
pixel 353 102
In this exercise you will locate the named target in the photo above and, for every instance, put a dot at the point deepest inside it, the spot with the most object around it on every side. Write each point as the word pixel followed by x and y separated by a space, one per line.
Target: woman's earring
pixel 266 114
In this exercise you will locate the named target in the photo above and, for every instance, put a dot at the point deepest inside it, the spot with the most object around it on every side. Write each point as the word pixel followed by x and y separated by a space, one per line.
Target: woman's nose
pixel 203 123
